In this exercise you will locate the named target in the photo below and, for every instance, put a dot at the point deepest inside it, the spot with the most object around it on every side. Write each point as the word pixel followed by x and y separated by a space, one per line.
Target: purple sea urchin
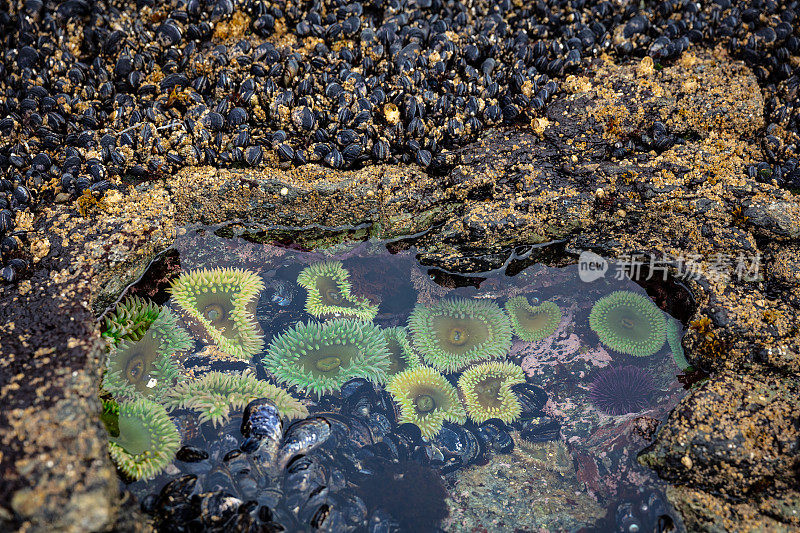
pixel 532 323
pixel 486 391
pixel 318 358
pixel 426 399
pixel 628 323
pixel 219 299
pixel 621 390
pixel 328 287
pixel 454 333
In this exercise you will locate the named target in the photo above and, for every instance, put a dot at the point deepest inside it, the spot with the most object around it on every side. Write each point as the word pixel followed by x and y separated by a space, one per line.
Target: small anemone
pixel 318 358
pixel 328 286
pixel 147 439
pixel 147 367
pixel 674 331
pixel 628 323
pixel 426 399
pixel 220 300
pixel 533 323
pixel 215 394
pixel 486 391
pixel 401 356
pixel 454 333
pixel 130 319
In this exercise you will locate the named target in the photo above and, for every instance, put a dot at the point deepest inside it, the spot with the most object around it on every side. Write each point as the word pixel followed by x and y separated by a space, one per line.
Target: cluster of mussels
pixel 97 91
pixel 348 466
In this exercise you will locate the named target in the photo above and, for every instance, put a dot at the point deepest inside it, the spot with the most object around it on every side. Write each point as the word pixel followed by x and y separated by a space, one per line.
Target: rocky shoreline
pixel 730 449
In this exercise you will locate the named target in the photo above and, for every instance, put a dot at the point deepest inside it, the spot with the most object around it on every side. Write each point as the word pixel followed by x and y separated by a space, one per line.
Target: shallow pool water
pixel 400 398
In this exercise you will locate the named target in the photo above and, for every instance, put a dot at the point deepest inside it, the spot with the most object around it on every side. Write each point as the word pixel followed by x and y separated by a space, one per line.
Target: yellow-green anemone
pixel 215 394
pixel 318 358
pixel 674 337
pixel 328 286
pixel 220 300
pixel 454 333
pixel 426 399
pixel 130 319
pixel 533 323
pixel 401 355
pixel 486 391
pixel 146 367
pixel 628 323
pixel 147 439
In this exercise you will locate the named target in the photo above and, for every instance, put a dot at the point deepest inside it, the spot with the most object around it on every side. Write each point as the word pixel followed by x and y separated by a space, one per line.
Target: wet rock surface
pixel 565 178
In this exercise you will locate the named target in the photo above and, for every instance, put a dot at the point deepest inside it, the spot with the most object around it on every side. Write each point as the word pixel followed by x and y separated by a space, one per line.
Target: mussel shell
pixel 530 397
pixel 538 428
pixel 175 500
pixel 495 436
pixel 217 507
pixel 303 437
pixel 459 446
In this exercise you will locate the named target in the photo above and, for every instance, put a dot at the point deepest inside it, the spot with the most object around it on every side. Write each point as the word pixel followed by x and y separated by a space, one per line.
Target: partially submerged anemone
pixel 621 390
pixel 140 368
pixel 215 394
pixel 628 323
pixel 675 345
pixel 426 400
pixel 454 333
pixel 318 358
pixel 401 355
pixel 533 323
pixel 147 439
pixel 220 300
pixel 147 367
pixel 130 319
pixel 486 391
pixel 328 287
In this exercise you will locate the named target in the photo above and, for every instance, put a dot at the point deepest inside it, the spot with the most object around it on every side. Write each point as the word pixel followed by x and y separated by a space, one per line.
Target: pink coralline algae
pixel 562 348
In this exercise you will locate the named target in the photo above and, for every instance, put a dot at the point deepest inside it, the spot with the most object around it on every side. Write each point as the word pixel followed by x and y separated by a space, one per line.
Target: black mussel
pixel 191 454
pixel 536 427
pixel 302 437
pixel 495 435
pixel 217 507
pixel 175 499
pixel 531 397
pixel 305 481
pixel 459 446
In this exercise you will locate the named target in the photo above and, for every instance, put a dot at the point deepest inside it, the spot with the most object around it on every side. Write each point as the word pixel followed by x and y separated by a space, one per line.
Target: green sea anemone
pixel 147 440
pixel 319 358
pixel 401 356
pixel 454 333
pixel 628 323
pixel 147 367
pixel 328 287
pixel 426 399
pixel 215 394
pixel 533 323
pixel 139 368
pixel 486 391
pixel 674 331
pixel 219 300
pixel 130 319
